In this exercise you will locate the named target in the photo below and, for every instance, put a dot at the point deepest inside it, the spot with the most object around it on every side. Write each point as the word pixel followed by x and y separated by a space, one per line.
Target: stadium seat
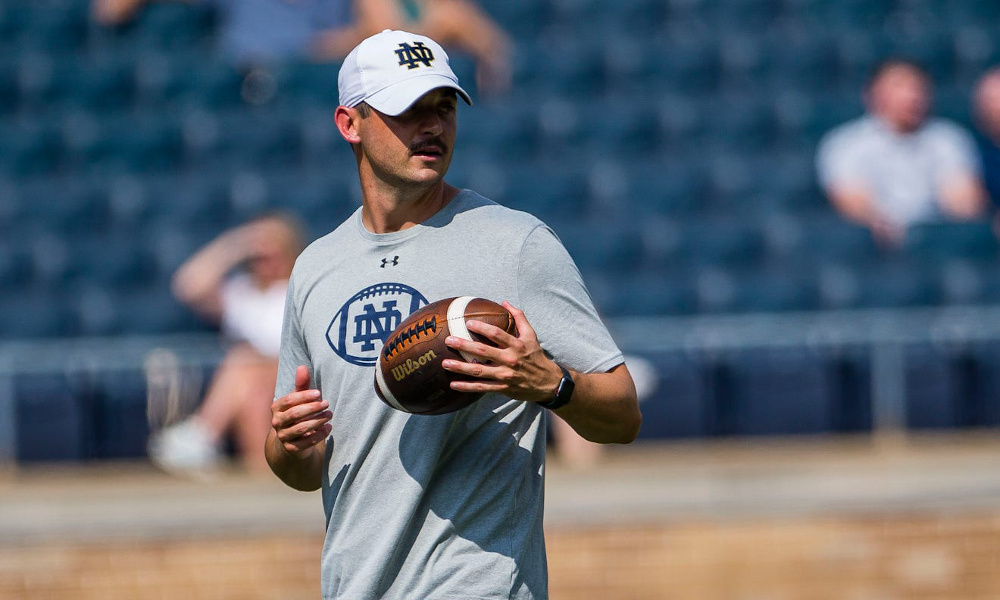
pixel 28 148
pixel 742 59
pixel 897 283
pixel 524 19
pixel 859 50
pixel 93 308
pixel 174 25
pixel 15 265
pixel 120 415
pixel 60 27
pixel 801 58
pixel 549 191
pixel 646 292
pixel 100 83
pixel 980 364
pixel 615 249
pixel 932 388
pixel 771 392
pixel 189 203
pixel 939 241
pixel 621 127
pixel 306 82
pixel 682 120
pixel 778 288
pixel 114 259
pixel 212 82
pixel 630 62
pixel 850 379
pixel 678 406
pixel 48 419
pixel 8 86
pixel 733 179
pixel 141 143
pixel 668 186
pixel 723 240
pixel 31 312
pixel 153 310
pixel 63 205
pixel 690 62
pixel 833 239
pixel 573 62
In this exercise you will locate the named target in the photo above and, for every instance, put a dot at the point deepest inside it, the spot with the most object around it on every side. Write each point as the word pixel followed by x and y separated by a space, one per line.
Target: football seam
pixel 402 341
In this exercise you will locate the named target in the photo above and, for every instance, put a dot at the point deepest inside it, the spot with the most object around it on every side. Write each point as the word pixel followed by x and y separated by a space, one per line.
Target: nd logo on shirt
pixel 362 325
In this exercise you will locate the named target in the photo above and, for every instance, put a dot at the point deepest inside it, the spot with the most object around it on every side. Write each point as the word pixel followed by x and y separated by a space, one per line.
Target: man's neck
pixel 387 209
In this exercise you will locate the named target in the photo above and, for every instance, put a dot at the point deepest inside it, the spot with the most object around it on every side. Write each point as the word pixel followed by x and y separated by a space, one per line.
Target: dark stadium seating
pixel 678 406
pixel 49 419
pixel 669 144
pixel 767 392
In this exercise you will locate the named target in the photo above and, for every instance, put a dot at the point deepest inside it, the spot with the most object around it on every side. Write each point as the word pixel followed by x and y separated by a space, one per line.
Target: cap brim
pixel 395 99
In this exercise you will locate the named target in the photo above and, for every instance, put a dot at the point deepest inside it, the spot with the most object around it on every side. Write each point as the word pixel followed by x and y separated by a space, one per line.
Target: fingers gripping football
pixel 517 367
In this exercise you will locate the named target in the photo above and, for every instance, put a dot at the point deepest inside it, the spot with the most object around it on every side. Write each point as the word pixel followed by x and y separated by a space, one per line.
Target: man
pixel 893 167
pixel 449 506
pixel 986 108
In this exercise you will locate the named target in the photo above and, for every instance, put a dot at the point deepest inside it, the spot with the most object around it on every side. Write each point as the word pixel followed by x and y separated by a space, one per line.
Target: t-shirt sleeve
pixel 839 160
pixel 957 154
pixel 293 350
pixel 559 308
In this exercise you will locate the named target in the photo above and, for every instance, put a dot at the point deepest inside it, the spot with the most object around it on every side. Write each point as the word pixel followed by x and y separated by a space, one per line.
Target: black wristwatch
pixel 563 392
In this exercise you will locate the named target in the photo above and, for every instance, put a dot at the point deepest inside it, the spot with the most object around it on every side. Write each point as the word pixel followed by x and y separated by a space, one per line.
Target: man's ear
pixel 347 121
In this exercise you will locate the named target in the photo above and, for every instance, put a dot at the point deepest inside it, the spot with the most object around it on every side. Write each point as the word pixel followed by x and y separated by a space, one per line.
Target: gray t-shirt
pixel 444 507
pixel 904 172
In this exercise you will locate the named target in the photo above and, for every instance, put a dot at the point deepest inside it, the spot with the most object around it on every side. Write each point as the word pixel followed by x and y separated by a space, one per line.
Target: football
pixel 408 372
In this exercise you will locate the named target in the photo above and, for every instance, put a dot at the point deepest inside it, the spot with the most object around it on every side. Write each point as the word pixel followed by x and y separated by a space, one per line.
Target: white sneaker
pixel 185 449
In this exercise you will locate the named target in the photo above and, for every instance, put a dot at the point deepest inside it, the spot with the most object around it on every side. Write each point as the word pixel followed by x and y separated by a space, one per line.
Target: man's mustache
pixel 420 146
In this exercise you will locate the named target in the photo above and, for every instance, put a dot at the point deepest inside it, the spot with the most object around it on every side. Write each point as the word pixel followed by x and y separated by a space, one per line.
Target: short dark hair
pixel 891 63
pixel 364 110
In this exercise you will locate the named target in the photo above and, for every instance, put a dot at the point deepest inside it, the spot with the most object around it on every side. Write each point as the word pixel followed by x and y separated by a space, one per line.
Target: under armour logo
pixel 375 325
pixel 386 262
pixel 411 55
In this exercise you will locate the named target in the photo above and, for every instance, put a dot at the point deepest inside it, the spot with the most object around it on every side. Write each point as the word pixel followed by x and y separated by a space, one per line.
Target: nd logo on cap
pixel 412 55
pixel 373 72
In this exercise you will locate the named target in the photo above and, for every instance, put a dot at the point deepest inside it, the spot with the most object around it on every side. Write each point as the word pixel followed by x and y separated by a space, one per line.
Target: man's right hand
pixel 301 418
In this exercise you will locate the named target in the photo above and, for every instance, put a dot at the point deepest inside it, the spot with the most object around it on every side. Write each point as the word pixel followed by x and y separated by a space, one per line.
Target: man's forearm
pixel 303 472
pixel 604 408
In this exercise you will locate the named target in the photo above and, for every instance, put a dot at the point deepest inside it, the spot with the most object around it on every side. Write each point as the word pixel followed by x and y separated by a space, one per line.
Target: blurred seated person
pixel 895 166
pixel 986 109
pixel 238 280
pixel 256 32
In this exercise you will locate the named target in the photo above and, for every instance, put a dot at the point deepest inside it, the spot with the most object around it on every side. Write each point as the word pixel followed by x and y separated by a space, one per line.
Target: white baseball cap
pixel 393 69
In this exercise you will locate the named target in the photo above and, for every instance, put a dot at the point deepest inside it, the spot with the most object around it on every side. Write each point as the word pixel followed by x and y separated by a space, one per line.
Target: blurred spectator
pixel 262 31
pixel 238 280
pixel 986 108
pixel 894 166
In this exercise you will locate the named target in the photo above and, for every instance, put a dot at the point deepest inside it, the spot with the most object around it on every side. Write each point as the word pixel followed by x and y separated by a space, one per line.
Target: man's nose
pixel 431 123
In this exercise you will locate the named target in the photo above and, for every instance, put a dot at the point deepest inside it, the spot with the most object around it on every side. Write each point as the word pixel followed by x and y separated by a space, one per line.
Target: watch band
pixel 563 392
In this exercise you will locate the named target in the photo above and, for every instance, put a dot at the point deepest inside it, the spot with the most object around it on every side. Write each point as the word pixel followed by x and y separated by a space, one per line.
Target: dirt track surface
pixel 791 519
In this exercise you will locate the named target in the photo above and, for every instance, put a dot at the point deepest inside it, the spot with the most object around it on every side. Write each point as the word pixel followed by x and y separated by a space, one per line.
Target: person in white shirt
pixel 895 166
pixel 238 280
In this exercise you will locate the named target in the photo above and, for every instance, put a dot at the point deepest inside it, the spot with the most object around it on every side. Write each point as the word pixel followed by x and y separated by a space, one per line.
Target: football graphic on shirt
pixel 365 321
pixel 408 373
